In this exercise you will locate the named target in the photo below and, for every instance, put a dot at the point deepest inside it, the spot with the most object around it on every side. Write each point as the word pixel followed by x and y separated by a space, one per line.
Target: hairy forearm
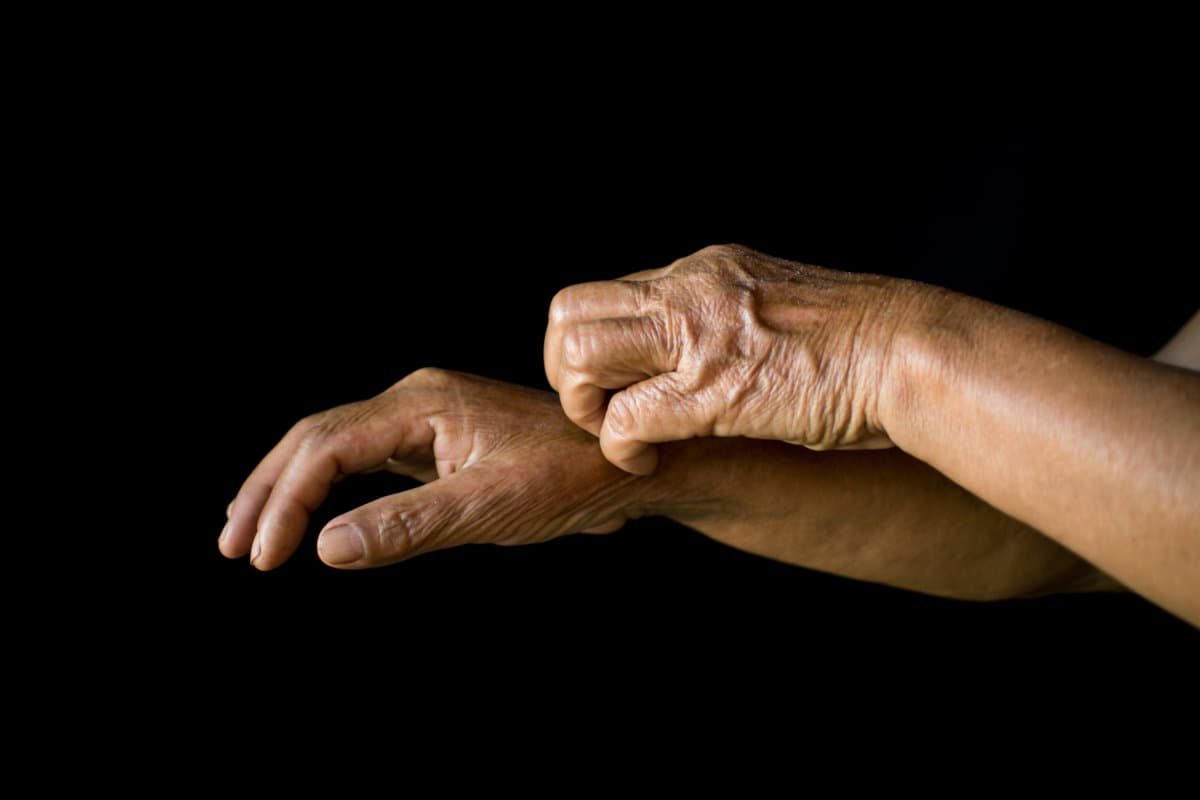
pixel 1098 449
pixel 875 515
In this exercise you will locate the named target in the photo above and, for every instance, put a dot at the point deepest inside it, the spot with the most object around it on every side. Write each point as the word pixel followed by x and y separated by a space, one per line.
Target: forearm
pixel 880 516
pixel 1098 449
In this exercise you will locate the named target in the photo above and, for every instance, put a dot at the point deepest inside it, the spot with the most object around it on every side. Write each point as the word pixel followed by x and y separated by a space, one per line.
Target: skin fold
pixel 503 465
pixel 1095 448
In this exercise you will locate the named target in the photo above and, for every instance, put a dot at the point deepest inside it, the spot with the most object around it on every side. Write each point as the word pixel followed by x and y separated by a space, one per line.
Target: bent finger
pixel 362 439
pixel 243 512
pixel 646 413
pixel 583 302
pixel 608 354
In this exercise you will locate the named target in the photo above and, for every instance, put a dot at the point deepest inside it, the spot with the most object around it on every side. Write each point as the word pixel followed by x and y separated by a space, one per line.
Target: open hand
pixel 501 462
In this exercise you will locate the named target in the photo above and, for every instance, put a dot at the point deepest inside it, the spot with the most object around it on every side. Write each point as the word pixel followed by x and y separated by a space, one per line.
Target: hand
pixel 727 342
pixel 502 466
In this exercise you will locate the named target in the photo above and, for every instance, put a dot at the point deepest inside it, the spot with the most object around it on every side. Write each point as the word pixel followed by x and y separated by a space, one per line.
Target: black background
pixel 320 236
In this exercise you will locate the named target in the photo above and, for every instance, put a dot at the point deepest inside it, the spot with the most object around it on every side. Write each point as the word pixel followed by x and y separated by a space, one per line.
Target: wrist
pixel 689 482
pixel 925 357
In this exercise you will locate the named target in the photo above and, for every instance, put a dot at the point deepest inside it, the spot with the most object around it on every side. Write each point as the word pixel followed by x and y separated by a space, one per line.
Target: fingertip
pixel 241 528
pixel 621 449
pixel 636 458
pixel 262 557
pixel 584 404
pixel 643 463
pixel 341 546
pixel 592 422
pixel 223 541
pixel 231 545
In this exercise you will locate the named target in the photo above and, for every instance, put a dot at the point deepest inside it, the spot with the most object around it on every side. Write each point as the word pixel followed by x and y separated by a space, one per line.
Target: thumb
pixel 654 410
pixel 458 509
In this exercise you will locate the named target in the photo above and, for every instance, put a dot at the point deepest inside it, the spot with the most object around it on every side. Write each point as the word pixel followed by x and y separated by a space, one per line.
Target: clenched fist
pixel 728 342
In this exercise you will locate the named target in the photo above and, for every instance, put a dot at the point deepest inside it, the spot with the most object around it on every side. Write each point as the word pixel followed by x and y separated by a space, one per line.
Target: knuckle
pixel 578 348
pixel 620 418
pixel 306 424
pixel 338 427
pixel 724 254
pixel 560 305
pixel 718 251
pixel 723 259
pixel 400 530
pixel 427 376
pixel 318 436
pixel 691 382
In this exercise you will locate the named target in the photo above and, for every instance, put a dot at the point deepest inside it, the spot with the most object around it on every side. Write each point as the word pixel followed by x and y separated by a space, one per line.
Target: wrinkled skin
pixel 503 465
pixel 479 445
pixel 1095 448
pixel 727 342
pixel 1090 452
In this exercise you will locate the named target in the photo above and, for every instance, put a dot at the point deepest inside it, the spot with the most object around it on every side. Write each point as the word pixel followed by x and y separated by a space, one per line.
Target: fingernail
pixel 229 510
pixel 224 532
pixel 340 545
pixel 256 549
pixel 644 463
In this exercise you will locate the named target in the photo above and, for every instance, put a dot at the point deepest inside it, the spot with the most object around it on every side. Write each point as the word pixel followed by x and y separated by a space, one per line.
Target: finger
pixel 608 354
pixel 877 442
pixel 608 527
pixel 360 439
pixel 648 274
pixel 654 410
pixel 597 300
pixel 238 534
pixel 588 301
pixel 225 530
pixel 463 508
